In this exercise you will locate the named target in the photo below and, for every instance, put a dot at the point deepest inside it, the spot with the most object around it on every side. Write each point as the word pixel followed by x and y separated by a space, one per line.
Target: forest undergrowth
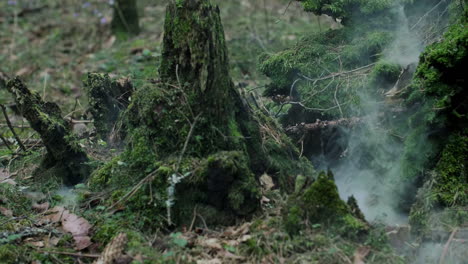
pixel 305 82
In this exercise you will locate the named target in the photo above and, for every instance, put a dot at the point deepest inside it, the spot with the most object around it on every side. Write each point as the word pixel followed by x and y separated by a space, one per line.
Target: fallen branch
pixel 79 254
pixel 303 127
pixel 447 245
pixel 7 119
pixel 336 74
pixel 5 142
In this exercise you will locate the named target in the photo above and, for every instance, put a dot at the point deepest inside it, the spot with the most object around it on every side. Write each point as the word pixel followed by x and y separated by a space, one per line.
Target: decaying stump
pixel 125 20
pixel 107 98
pixel 64 154
pixel 205 146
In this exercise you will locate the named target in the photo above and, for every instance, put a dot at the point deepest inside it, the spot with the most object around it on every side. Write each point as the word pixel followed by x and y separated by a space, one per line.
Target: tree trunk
pixel 125 20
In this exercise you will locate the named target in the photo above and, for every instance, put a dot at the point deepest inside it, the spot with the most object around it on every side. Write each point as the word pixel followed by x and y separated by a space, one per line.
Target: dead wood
pixel 319 124
pixel 64 154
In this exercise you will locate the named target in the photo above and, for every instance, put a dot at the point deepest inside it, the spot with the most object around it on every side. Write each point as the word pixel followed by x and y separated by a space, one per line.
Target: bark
pixel 125 20
pixel 195 54
pixel 63 152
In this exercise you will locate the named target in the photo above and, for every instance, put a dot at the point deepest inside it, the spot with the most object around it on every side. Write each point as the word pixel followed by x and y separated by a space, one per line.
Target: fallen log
pixel 64 154
pixel 319 124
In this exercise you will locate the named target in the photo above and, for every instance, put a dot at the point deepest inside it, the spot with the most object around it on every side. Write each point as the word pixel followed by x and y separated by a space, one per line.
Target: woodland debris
pixel 114 250
pixel 71 223
pixel 319 124
pixel 63 151
pixel 7 119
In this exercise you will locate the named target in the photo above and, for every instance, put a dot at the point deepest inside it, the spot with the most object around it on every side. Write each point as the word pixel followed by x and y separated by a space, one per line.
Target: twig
pixel 193 219
pixel 335 74
pixel 7 119
pixel 447 245
pixel 192 128
pixel 336 99
pixel 5 142
pixel 289 4
pixel 84 255
pixel 347 122
pixel 133 190
pixel 430 11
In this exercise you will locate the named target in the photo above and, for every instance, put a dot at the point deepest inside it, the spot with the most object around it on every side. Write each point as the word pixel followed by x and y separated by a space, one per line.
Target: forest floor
pixel 52 44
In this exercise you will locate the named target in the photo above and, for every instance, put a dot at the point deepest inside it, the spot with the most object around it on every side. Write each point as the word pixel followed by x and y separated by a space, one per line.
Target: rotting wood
pixel 64 154
pixel 319 124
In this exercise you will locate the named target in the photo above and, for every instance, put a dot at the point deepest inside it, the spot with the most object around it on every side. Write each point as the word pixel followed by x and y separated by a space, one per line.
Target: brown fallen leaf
pixel 4 174
pixel 267 182
pixel 79 228
pixel 55 214
pixel 360 255
pixel 38 244
pixel 229 255
pixel 71 223
pixel 24 71
pixel 5 177
pixel 6 212
pixel 41 207
pixel 212 243
pixel 113 250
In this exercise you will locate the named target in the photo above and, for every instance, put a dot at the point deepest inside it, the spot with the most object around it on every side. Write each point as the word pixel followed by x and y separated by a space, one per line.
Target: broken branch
pixel 303 127
pixel 7 119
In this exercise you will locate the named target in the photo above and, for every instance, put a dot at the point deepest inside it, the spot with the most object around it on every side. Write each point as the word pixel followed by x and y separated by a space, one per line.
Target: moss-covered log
pixel 125 20
pixel 64 154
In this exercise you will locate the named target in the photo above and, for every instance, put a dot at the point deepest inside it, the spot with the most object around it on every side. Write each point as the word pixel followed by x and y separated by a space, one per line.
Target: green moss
pixel 8 254
pixel 14 200
pixel 385 73
pixel 320 204
pixel 452 176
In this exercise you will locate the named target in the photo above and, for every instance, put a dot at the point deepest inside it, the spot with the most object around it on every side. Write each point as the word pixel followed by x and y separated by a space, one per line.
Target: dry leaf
pixel 79 228
pixel 4 174
pixel 55 214
pixel 6 212
pixel 39 244
pixel 209 261
pixel 5 177
pixel 41 207
pixel 113 250
pixel 267 182
pixel 361 254
pixel 229 255
pixel 52 242
pixel 245 238
pixel 24 71
pixel 212 243
pixel 71 223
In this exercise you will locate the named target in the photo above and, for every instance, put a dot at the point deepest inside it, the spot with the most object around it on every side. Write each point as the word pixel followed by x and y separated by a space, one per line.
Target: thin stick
pixel 336 74
pixel 192 128
pixel 5 142
pixel 84 255
pixel 447 245
pixel 11 128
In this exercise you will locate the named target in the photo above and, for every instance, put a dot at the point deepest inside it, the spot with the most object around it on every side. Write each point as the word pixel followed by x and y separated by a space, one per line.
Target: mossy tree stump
pixel 200 143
